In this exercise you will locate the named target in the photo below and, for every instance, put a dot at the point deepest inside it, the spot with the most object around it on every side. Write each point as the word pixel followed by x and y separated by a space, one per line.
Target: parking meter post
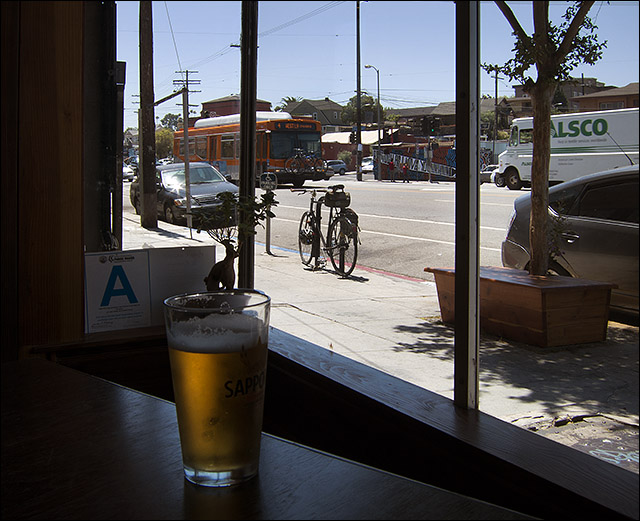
pixel 268 183
pixel 268 230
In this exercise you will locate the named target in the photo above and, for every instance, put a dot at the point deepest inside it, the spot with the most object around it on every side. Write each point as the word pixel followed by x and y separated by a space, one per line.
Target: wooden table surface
pixel 78 447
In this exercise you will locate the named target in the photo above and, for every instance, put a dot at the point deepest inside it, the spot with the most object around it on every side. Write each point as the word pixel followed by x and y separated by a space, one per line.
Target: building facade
pixel 229 105
pixel 326 111
pixel 614 98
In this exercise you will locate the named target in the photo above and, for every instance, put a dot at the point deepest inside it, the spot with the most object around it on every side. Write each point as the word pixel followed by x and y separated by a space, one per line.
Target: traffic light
pixel 426 125
pixel 352 137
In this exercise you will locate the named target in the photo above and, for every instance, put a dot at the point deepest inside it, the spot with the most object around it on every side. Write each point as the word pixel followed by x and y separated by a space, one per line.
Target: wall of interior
pixel 42 176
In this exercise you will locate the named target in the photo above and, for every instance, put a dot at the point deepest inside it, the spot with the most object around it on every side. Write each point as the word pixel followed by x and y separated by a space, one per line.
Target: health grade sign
pixel 126 289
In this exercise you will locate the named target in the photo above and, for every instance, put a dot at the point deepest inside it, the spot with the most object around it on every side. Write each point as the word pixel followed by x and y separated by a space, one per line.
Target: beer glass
pixel 218 353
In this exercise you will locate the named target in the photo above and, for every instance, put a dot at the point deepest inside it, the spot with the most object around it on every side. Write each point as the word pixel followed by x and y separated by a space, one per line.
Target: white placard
pixel 126 289
pixel 116 290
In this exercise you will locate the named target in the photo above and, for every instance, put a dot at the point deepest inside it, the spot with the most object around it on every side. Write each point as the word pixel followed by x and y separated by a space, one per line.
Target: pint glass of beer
pixel 218 352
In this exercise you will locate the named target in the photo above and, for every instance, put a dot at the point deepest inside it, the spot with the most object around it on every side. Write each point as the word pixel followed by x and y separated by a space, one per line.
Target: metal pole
pixel 358 98
pixel 379 116
pixel 185 127
pixel 249 61
pixel 379 121
pixel 268 235
pixel 117 194
pixel 495 120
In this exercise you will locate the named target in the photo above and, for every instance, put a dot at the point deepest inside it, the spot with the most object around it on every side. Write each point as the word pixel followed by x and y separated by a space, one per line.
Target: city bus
pixel 279 137
pixel 581 143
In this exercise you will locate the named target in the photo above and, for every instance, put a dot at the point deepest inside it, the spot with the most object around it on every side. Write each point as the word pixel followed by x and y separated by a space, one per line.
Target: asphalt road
pixel 404 226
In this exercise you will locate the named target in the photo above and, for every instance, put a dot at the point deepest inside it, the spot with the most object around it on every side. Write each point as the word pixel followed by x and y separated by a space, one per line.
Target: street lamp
pixel 379 122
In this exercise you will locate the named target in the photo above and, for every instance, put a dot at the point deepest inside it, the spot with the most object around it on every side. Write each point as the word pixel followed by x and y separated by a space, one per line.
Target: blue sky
pixel 308 49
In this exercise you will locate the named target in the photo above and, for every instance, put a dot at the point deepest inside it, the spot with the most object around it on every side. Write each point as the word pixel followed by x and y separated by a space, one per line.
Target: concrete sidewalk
pixel 585 396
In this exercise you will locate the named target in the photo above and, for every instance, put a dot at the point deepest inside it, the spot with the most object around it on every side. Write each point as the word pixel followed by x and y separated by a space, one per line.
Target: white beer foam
pixel 216 333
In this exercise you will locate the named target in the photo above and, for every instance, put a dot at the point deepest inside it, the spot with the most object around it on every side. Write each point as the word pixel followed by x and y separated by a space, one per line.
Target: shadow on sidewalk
pixel 601 377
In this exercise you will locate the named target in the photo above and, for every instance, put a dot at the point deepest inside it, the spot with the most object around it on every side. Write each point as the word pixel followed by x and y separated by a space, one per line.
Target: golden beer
pixel 218 366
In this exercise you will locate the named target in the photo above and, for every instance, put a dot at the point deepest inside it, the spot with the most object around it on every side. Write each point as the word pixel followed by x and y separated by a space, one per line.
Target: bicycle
pixel 341 243
pixel 303 162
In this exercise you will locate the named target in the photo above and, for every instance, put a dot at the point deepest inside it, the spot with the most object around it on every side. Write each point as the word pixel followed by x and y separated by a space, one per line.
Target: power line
pixel 225 50
pixel 173 36
pixel 310 14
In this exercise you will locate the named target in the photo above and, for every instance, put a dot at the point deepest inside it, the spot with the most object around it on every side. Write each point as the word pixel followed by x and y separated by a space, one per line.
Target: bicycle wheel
pixel 294 165
pixel 319 166
pixel 306 233
pixel 342 245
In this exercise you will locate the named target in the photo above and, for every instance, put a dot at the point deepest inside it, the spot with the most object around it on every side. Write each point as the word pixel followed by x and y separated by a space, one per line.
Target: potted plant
pixel 535 307
pixel 228 230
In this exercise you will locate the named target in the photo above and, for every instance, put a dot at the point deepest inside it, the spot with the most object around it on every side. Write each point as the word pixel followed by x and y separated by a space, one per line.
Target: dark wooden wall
pixel 42 178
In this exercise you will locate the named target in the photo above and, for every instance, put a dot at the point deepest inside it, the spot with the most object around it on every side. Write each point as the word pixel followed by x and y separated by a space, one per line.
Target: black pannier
pixel 337 199
pixel 352 216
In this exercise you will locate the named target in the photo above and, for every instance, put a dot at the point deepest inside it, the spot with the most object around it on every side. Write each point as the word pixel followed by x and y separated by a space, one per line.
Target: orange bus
pixel 279 137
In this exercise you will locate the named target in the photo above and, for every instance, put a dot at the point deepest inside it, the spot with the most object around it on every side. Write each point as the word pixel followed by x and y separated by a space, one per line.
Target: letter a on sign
pixel 117 273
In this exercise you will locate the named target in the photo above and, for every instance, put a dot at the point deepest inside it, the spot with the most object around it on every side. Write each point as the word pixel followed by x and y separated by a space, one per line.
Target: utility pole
pixel 116 200
pixel 358 99
pixel 187 150
pixel 147 131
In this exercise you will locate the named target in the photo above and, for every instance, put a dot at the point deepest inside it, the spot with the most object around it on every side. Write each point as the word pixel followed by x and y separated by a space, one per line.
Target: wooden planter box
pixel 544 311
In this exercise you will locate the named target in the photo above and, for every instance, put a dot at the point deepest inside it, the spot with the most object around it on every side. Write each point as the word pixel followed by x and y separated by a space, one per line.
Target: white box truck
pixel 581 143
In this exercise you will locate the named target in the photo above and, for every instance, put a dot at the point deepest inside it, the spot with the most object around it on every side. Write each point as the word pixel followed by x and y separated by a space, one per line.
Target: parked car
pixel 367 164
pixel 206 183
pixel 337 165
pixel 127 173
pixel 132 162
pixel 595 218
pixel 486 173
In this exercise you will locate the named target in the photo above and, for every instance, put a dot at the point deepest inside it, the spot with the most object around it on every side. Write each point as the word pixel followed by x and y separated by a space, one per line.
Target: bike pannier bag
pixel 337 199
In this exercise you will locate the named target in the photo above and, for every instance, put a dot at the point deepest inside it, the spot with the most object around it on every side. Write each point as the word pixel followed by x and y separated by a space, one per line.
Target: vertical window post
pixel 467 300
pixel 248 90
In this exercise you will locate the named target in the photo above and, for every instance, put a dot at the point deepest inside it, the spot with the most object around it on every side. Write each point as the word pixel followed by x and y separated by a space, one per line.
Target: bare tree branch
pixel 513 22
pixel 565 46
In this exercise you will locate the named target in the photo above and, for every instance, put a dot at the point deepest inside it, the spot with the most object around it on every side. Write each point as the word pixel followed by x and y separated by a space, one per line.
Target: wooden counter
pixel 78 447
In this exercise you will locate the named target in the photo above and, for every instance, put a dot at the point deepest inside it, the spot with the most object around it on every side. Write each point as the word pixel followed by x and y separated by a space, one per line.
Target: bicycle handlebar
pixel 332 188
pixel 305 190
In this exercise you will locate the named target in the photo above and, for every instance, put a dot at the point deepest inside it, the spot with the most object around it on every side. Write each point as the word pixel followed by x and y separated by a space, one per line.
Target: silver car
pixel 595 222
pixel 206 183
pixel 337 165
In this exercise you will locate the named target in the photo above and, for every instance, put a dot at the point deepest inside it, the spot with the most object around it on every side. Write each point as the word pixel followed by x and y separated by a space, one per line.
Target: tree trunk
pixel 541 95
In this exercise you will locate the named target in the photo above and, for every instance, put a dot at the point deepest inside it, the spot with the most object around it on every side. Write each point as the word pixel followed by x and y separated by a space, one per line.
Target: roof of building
pixel 411 112
pixel 448 108
pixel 321 104
pixel 232 97
pixel 627 90
pixel 367 137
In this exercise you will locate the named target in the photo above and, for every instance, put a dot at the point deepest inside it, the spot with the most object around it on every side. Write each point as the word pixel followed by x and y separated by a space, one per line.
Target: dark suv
pixel 206 184
pixel 596 223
